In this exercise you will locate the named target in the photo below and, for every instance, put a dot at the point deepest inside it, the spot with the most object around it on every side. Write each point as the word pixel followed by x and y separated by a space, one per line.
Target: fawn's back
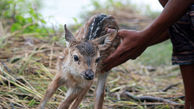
pixel 95 28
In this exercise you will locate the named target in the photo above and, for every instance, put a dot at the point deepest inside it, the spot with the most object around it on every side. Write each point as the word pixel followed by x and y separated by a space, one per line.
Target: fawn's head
pixel 83 55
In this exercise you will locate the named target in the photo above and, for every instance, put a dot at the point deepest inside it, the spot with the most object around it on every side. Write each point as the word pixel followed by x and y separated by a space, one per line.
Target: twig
pixel 179 97
pixel 14 13
pixel 148 98
pixel 170 86
pixel 120 70
pixel 2 32
pixel 12 106
pixel 5 66
pixel 51 55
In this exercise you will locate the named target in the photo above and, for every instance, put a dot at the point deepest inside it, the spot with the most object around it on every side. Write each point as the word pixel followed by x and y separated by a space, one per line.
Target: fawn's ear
pixel 69 36
pixel 104 42
pixel 99 40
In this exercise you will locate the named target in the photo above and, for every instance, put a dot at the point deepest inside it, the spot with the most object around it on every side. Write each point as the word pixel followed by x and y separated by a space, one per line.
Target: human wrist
pixel 146 35
pixel 153 37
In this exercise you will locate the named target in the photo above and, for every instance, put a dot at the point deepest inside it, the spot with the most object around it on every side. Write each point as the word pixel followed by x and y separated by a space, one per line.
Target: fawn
pixel 82 60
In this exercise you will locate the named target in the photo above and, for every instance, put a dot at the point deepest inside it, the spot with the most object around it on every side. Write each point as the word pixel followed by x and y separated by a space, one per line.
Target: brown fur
pixel 89 43
pixel 87 49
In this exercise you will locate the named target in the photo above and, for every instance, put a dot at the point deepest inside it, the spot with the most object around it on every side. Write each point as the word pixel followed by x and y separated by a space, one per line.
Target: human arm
pixel 173 10
pixel 135 42
pixel 165 35
pixel 134 52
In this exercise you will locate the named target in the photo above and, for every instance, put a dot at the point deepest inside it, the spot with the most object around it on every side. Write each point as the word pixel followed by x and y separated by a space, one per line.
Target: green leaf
pixel 32 103
pixel 43 21
pixel 16 26
pixel 96 4
pixel 29 20
pixel 20 19
pixel 75 20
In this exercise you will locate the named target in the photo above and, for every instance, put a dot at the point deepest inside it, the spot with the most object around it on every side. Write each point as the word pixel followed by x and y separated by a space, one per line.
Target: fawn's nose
pixel 89 74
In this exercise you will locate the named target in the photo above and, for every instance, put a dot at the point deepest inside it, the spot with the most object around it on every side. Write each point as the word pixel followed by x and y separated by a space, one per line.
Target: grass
pixel 27 70
pixel 157 55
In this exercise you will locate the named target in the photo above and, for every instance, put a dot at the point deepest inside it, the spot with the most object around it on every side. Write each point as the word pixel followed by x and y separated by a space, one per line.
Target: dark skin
pixel 187 72
pixel 135 42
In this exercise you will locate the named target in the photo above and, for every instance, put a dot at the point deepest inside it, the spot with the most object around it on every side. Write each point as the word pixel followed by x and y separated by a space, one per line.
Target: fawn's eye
pixel 75 58
pixel 98 59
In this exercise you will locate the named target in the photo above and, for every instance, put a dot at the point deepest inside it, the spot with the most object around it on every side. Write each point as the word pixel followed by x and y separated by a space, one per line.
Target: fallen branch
pixel 148 98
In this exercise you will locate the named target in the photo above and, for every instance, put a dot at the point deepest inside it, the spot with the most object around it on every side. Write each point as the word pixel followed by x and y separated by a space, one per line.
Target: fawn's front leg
pixel 72 94
pixel 100 90
pixel 56 82
pixel 80 97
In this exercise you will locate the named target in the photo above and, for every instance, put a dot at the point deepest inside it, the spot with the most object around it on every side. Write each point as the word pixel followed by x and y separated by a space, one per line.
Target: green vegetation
pixel 23 16
pixel 107 6
pixel 150 13
pixel 157 55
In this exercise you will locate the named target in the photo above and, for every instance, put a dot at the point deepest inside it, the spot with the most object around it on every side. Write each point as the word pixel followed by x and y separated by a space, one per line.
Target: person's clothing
pixel 182 38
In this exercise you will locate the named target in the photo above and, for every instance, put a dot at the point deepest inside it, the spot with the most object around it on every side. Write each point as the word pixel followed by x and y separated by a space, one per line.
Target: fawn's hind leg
pixel 78 100
pixel 100 90
pixel 56 82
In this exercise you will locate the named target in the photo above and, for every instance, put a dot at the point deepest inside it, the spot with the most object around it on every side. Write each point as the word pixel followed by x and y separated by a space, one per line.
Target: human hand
pixel 132 45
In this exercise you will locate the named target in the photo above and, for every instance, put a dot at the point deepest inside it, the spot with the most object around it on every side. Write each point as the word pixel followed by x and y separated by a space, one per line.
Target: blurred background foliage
pixel 23 17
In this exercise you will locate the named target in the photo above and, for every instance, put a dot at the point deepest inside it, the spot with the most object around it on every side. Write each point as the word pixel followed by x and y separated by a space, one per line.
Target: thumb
pixel 122 33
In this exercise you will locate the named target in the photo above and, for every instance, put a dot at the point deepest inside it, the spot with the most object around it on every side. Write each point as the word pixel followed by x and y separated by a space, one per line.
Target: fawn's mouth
pixel 88 74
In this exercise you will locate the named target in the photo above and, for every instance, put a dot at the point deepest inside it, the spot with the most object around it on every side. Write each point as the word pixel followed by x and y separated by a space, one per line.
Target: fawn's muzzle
pixel 89 74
